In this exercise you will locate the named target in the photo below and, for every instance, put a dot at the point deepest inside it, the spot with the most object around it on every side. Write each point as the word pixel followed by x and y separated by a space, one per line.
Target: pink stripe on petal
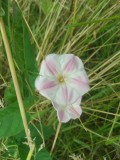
pixel 61 115
pixel 48 85
pixel 78 81
pixel 70 96
pixel 80 86
pixel 70 65
pixel 74 111
pixel 51 67
pixel 65 93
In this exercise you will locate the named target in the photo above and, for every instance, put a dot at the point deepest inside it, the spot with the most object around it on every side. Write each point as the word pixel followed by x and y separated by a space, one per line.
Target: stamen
pixel 61 79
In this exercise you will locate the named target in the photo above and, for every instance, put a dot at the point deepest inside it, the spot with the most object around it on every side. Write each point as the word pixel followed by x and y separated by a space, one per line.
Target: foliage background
pixel 89 29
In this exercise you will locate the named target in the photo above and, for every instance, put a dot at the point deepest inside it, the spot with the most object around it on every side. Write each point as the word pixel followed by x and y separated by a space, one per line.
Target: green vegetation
pixel 89 29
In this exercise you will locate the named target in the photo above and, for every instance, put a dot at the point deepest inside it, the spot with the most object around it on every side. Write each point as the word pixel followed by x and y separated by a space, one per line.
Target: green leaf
pixel 46 6
pixel 23 55
pixel 2 12
pixel 112 140
pixel 10 95
pixel 10 121
pixel 5 6
pixel 11 99
pixel 23 151
pixel 20 139
pixel 92 22
pixel 23 52
pixel 47 133
pixel 43 154
pixel 29 57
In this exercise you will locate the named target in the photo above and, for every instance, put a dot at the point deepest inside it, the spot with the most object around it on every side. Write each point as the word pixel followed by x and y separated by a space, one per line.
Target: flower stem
pixel 30 153
pixel 15 81
pixel 56 136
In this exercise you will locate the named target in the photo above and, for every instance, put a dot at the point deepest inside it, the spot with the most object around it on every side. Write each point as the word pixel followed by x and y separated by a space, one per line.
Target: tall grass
pixel 89 29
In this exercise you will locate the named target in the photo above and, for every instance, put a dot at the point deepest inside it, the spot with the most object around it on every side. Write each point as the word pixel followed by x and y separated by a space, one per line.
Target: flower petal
pixel 50 66
pixel 70 63
pixel 65 95
pixel 74 81
pixel 74 111
pixel 79 81
pixel 46 86
pixel 63 116
pixel 65 113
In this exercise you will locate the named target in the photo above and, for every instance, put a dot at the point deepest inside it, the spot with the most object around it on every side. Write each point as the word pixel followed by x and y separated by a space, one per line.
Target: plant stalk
pixel 15 81
pixel 56 136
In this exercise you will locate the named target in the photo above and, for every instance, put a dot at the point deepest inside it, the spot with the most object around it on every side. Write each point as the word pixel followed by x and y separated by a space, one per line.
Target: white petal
pixel 74 111
pixel 46 86
pixel 65 113
pixel 63 116
pixel 50 66
pixel 79 82
pixel 57 106
pixel 70 63
pixel 65 95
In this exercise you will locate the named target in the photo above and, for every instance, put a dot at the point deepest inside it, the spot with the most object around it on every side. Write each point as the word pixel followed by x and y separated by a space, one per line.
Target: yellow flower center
pixel 61 79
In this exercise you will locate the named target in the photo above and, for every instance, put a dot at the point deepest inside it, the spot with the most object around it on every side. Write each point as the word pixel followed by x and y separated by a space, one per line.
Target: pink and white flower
pixel 63 80
pixel 62 76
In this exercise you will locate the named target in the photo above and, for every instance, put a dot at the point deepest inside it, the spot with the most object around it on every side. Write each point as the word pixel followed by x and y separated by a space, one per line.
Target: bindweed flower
pixel 63 80
pixel 65 113
pixel 60 77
